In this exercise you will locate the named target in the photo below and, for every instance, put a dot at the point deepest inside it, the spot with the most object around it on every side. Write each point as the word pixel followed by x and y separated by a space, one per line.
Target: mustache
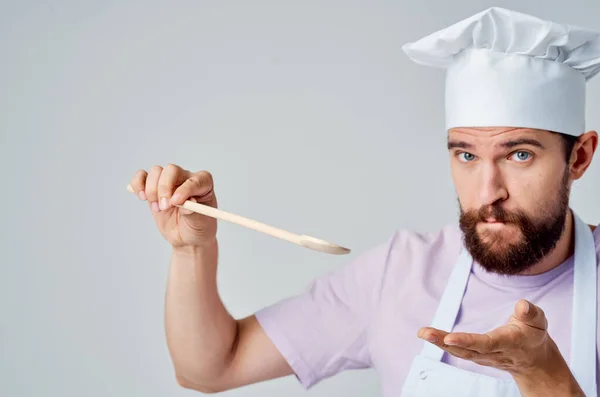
pixel 498 213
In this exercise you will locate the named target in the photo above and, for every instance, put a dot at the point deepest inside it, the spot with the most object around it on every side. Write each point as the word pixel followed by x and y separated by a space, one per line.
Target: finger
pixel 463 353
pixel 481 343
pixel 498 340
pixel 171 177
pixel 432 335
pixel 152 187
pixel 138 183
pixel 531 315
pixel 199 185
pixel 437 337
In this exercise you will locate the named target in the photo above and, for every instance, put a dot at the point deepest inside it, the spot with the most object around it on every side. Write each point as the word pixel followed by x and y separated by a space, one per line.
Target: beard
pixel 504 251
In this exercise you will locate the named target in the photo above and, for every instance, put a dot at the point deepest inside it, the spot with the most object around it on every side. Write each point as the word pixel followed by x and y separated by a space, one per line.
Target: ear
pixel 582 155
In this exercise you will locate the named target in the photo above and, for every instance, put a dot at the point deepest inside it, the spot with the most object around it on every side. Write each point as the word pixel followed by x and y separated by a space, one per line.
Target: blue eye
pixel 464 156
pixel 522 156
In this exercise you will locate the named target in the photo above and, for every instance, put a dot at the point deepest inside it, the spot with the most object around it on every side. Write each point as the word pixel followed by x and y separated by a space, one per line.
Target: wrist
pixel 203 255
pixel 196 249
pixel 550 376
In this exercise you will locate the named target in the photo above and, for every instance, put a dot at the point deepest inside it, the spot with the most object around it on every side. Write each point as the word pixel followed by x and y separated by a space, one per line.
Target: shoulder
pixel 404 244
pixel 445 240
pixel 423 254
pixel 406 256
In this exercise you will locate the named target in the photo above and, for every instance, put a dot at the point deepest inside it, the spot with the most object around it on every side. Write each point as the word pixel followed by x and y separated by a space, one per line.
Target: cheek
pixel 530 189
pixel 465 187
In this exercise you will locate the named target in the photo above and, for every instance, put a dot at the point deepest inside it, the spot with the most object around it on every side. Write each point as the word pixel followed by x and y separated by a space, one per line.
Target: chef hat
pixel 505 68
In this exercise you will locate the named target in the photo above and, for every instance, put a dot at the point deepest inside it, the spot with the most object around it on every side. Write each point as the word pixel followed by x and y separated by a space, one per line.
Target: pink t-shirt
pixel 366 314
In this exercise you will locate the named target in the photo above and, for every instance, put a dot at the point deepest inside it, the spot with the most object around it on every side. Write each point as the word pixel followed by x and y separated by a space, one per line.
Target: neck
pixel 562 251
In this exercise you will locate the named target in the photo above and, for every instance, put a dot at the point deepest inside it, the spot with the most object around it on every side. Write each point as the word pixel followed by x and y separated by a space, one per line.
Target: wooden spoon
pixel 302 240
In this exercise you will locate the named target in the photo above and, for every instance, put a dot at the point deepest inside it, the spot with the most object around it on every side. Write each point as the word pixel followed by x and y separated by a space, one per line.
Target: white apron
pixel 430 377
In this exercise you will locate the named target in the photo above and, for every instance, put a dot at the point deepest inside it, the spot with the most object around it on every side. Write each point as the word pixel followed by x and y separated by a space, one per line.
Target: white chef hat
pixel 506 68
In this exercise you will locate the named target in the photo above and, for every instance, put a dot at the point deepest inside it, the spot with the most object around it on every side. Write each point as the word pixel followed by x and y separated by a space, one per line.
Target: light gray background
pixel 308 115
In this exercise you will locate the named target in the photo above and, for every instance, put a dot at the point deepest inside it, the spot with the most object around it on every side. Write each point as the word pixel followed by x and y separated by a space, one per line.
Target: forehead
pixel 496 136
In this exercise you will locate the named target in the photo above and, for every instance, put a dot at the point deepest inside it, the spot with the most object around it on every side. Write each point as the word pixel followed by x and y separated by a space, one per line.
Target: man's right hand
pixel 164 188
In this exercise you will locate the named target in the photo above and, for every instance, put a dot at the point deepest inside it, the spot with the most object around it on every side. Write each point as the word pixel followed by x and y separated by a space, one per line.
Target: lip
pixel 491 220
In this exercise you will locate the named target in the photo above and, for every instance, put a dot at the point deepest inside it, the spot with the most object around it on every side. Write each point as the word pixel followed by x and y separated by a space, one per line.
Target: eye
pixel 466 157
pixel 521 156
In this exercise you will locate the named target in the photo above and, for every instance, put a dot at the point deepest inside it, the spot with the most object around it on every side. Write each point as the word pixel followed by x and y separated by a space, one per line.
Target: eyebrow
pixel 522 141
pixel 459 145
pixel 507 144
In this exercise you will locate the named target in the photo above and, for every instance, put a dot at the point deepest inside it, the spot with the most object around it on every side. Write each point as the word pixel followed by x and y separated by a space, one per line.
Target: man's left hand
pixel 522 347
pixel 519 346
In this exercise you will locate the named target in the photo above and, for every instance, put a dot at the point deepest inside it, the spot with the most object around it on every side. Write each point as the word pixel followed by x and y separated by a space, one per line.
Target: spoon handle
pixel 239 220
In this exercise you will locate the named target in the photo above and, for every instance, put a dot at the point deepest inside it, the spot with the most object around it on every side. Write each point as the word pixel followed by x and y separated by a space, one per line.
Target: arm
pixel 300 335
pixel 212 351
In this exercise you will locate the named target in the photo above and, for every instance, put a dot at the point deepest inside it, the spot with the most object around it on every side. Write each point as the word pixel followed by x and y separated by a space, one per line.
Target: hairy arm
pixel 211 350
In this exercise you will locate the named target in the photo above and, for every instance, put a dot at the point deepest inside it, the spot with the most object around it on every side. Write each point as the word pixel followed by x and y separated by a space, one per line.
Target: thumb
pixel 531 315
pixel 183 211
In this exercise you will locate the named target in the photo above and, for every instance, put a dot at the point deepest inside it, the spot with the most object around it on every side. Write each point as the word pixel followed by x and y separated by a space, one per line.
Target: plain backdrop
pixel 308 115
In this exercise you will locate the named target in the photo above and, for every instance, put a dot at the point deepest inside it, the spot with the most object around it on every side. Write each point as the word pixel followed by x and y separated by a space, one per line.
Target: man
pixel 502 304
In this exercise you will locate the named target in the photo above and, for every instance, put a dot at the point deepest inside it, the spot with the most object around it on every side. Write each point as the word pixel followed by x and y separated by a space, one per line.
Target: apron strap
pixel 585 302
pixel 450 302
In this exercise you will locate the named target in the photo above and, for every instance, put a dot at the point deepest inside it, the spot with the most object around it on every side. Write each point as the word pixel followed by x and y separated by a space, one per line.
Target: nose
pixel 492 188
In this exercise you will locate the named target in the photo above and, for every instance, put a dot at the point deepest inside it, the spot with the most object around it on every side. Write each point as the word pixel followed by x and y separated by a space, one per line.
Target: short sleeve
pixel 324 330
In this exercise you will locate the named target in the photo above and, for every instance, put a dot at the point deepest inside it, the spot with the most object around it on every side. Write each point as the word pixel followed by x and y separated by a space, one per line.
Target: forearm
pixel 200 332
pixel 554 378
